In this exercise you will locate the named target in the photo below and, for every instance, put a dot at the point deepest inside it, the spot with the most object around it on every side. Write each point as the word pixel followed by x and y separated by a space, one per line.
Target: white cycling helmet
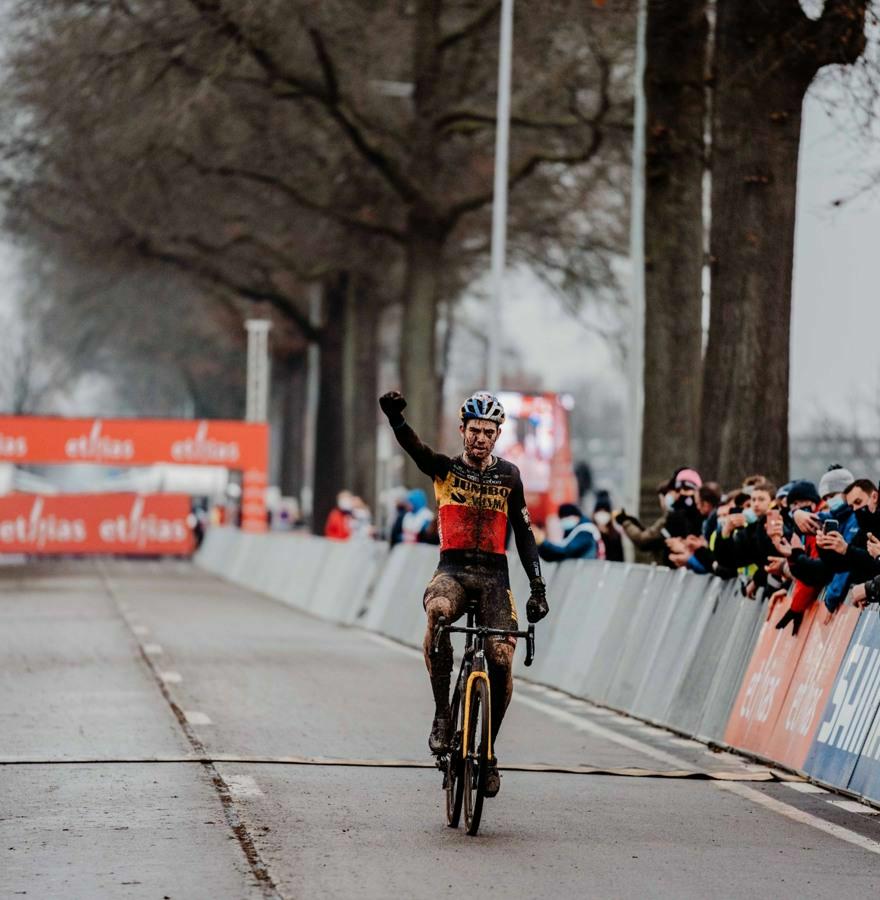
pixel 483 405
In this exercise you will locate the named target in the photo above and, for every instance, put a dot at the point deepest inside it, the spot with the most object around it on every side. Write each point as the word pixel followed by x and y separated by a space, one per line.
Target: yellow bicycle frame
pixel 467 710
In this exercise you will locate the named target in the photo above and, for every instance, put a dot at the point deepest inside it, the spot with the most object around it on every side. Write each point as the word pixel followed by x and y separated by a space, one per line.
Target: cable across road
pixel 765 775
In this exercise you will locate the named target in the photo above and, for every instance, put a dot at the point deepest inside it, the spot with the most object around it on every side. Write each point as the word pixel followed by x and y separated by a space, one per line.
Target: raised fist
pixel 393 405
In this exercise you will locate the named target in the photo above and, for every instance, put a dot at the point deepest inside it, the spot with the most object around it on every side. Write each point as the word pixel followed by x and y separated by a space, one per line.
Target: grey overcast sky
pixel 836 319
pixel 835 367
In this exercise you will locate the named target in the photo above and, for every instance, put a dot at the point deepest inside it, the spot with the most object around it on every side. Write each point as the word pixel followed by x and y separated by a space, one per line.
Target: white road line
pixel 171 677
pixel 747 793
pixel 153 649
pixel 196 718
pixel 854 806
pixel 805 787
pixel 582 724
pixel 242 786
pixel 798 815
pixel 140 630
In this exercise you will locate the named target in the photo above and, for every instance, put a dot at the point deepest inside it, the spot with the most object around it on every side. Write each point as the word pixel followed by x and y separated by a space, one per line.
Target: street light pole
pixel 636 357
pixel 499 206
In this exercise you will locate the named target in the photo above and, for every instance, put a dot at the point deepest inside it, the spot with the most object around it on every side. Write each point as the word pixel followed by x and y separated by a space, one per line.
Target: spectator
pixel 797 560
pixel 417 522
pixel 401 508
pixel 680 519
pixel 612 537
pixel 338 524
pixel 833 539
pixel 841 540
pixel 708 501
pixel 745 543
pixel 581 539
pixel 361 519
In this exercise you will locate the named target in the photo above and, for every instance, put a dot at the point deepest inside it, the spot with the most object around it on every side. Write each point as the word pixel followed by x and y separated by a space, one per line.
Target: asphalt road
pixel 155 722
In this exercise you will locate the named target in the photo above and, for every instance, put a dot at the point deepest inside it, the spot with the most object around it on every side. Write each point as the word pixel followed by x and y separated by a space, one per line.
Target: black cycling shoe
pixel 438 741
pixel 493 778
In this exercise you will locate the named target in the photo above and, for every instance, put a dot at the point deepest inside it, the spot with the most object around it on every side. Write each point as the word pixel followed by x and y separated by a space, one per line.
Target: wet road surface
pixel 149 714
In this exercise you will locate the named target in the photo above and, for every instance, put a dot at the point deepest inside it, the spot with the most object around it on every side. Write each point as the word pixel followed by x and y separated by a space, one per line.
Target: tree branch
pixel 325 93
pixel 527 167
pixel 840 32
pixel 480 20
pixel 283 186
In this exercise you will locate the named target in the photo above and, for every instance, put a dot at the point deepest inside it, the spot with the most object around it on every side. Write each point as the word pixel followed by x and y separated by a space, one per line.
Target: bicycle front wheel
pixel 477 759
pixel 454 781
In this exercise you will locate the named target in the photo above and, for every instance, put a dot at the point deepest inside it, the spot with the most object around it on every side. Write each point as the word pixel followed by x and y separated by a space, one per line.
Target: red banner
pixel 787 684
pixel 150 525
pixel 243 446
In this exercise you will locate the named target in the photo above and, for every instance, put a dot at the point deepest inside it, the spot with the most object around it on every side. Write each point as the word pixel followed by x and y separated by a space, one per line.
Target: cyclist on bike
pixel 477 495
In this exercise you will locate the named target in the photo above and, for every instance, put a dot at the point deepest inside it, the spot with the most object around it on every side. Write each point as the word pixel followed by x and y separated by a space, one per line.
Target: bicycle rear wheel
pixel 477 759
pixel 453 775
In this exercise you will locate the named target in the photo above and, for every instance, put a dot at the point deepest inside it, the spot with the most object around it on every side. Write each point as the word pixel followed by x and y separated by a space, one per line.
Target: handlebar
pixel 482 631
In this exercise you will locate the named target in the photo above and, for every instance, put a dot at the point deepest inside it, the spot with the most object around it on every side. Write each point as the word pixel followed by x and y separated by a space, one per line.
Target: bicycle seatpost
pixel 438 633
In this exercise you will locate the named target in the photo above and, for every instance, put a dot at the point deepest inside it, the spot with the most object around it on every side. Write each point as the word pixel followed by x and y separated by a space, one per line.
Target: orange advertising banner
pixel 133 442
pixel 811 686
pixel 243 446
pixel 139 524
pixel 766 682
pixel 787 684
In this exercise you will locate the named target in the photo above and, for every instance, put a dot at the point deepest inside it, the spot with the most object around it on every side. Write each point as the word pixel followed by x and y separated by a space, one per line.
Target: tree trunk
pixel 330 475
pixel 418 351
pixel 675 164
pixel 289 384
pixel 361 379
pixel 755 140
pixel 766 55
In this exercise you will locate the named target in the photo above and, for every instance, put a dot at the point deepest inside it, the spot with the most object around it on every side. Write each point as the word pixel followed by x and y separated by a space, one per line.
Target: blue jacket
pixel 581 542
pixel 838 587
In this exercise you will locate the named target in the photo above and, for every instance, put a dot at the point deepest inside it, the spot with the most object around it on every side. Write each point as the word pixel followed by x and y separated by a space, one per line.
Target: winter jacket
pixel 581 542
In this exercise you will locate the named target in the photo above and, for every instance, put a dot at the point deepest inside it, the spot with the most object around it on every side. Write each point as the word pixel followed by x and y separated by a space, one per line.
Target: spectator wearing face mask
pixel 417 521
pixel 338 524
pixel 680 520
pixel 580 538
pixel 840 517
pixel 612 537
pixel 745 541
pixel 843 548
pixel 797 559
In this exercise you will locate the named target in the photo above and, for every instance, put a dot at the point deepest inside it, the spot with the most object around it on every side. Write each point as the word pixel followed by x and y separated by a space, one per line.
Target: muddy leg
pixel 440 663
pixel 499 654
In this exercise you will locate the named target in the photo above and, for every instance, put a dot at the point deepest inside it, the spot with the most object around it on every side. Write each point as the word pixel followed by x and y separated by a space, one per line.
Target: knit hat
pixel 802 490
pixel 782 493
pixel 603 501
pixel 569 509
pixel 687 478
pixel 835 481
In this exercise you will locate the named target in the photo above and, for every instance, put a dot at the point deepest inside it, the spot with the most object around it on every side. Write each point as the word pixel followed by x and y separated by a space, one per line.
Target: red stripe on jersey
pixel 462 526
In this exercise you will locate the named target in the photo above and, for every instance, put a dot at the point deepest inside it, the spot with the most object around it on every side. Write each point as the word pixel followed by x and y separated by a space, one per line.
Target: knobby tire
pixel 474 774
pixel 454 773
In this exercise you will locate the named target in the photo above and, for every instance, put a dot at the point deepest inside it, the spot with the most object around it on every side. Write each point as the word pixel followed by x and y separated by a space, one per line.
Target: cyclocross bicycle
pixel 464 764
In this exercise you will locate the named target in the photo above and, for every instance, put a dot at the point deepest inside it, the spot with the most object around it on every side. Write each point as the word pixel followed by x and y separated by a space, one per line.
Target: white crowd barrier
pixel 668 647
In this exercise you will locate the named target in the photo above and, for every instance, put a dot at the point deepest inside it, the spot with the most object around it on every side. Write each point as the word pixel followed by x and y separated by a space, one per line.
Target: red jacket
pixel 338 525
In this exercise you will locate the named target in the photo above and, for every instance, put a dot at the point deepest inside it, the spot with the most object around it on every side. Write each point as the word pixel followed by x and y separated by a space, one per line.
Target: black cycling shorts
pixel 487 587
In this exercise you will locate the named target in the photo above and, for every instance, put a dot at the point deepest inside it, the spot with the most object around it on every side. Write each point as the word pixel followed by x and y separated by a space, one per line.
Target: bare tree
pixel 766 57
pixel 675 93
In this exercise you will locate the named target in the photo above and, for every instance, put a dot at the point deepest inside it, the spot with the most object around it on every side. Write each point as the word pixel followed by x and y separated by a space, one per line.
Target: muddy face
pixel 480 436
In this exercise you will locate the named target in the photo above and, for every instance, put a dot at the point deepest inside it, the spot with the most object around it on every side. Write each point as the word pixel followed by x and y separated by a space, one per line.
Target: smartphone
pixel 830 525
